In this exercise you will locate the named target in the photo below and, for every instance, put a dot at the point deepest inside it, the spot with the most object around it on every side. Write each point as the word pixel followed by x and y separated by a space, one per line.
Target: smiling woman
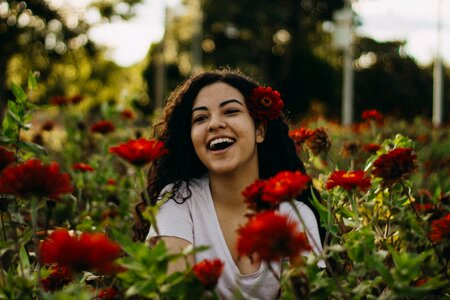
pixel 223 133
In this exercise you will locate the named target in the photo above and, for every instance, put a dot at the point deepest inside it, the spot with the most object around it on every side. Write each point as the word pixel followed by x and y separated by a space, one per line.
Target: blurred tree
pixel 271 40
pixel 390 81
pixel 36 34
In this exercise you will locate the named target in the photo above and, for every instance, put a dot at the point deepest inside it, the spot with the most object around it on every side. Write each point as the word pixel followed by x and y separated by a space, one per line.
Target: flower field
pixel 70 181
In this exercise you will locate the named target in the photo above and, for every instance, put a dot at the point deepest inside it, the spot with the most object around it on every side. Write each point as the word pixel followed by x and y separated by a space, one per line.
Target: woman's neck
pixel 226 190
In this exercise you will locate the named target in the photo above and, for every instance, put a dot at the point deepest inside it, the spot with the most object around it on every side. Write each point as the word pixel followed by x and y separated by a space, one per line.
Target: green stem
pixel 142 187
pixel 354 206
pixel 34 227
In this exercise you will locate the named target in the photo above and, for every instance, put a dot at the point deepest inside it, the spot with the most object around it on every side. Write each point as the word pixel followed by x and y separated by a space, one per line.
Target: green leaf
pixel 32 81
pixel 32 147
pixel 24 258
pixel 19 93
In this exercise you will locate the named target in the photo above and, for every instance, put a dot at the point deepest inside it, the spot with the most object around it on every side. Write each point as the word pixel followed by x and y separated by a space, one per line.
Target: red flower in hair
pixel 440 229
pixel 82 167
pixel 265 103
pixel 139 152
pixel 32 178
pixel 6 158
pixel 270 236
pixel 285 186
pixel 372 115
pixel 58 278
pixel 103 127
pixel 394 165
pixel 208 272
pixel 349 180
pixel 88 252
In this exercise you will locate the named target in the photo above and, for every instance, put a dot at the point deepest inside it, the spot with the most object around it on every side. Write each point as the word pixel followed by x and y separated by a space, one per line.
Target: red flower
pixel 59 100
pixel 285 186
pixel 372 114
pixel 394 165
pixel 265 103
pixel 58 278
pixel 82 167
pixel 127 114
pixel 108 294
pixel 6 158
pixel 103 127
pixel 318 141
pixel 371 148
pixel 32 178
pixel 139 152
pixel 88 252
pixel 48 125
pixel 440 229
pixel 76 99
pixel 349 180
pixel 300 136
pixel 208 272
pixel 253 196
pixel 270 236
pixel 111 181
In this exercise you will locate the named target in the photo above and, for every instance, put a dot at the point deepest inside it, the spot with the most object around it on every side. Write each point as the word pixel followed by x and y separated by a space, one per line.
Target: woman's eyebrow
pixel 222 104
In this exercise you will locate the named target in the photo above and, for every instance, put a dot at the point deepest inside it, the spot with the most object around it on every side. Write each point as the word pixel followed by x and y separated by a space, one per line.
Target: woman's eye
pixel 198 119
pixel 231 111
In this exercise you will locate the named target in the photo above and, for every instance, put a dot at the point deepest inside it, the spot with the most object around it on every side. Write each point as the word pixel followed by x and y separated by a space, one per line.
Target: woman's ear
pixel 261 132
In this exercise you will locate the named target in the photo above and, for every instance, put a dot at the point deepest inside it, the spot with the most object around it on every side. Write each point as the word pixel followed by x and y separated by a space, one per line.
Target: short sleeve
pixel 173 219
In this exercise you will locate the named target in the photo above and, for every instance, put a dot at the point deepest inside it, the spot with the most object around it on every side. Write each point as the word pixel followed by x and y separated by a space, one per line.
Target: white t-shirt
pixel 196 221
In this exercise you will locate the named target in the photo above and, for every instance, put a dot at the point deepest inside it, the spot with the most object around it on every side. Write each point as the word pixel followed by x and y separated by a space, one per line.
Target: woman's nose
pixel 216 123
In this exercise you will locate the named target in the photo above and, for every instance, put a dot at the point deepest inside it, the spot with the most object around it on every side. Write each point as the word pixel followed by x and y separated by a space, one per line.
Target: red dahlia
pixel 372 114
pixel 87 252
pixel 59 100
pixel 58 278
pixel 103 127
pixel 300 135
pixel 318 141
pixel 270 236
pixel 127 114
pixel 139 152
pixel 32 178
pixel 208 272
pixel 108 294
pixel 82 167
pixel 265 103
pixel 349 180
pixel 440 229
pixel 285 186
pixel 394 165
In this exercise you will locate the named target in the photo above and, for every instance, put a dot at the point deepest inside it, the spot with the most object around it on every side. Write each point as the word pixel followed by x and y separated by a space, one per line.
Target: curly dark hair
pixel 276 153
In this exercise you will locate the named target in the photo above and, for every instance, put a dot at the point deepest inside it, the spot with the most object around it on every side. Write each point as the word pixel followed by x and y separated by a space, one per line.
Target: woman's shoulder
pixel 184 189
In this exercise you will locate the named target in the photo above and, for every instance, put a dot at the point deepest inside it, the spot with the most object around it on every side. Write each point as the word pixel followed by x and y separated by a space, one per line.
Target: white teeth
pixel 220 140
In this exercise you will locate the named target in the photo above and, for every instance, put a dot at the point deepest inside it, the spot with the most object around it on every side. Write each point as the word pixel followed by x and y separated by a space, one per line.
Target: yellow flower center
pixel 349 175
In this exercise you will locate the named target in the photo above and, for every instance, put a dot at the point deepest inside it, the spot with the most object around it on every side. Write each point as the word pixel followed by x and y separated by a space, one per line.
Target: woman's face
pixel 223 132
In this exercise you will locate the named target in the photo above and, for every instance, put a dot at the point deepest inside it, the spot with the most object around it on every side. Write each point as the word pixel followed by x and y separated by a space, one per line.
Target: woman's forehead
pixel 216 93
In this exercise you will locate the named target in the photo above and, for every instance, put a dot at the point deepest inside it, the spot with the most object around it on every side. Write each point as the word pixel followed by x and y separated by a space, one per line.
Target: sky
pixel 415 21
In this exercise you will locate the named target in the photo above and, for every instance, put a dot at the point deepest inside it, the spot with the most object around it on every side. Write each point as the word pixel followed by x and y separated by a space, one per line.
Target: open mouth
pixel 220 144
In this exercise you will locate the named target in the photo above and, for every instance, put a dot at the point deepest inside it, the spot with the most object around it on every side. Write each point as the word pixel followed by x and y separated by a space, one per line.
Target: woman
pixel 219 143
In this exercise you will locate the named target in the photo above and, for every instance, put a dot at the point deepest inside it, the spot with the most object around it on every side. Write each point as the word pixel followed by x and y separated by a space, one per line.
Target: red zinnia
pixel 59 100
pixel 285 186
pixel 394 165
pixel 127 114
pixel 371 148
pixel 58 278
pixel 32 178
pixel 440 229
pixel 6 158
pixel 88 252
pixel 108 294
pixel 265 103
pixel 318 141
pixel 208 272
pixel 253 196
pixel 82 167
pixel 372 114
pixel 270 236
pixel 300 135
pixel 139 152
pixel 103 127
pixel 349 180
pixel 76 99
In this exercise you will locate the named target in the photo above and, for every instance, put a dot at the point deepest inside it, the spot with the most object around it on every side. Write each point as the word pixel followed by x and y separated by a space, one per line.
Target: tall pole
pixel 160 66
pixel 437 73
pixel 197 56
pixel 347 70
